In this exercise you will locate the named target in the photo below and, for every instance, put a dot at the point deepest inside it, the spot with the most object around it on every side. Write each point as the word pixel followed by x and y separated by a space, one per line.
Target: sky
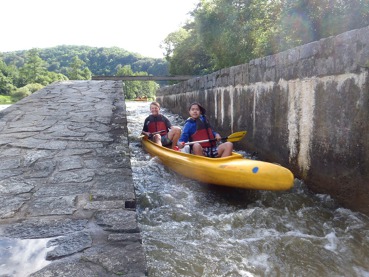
pixel 138 26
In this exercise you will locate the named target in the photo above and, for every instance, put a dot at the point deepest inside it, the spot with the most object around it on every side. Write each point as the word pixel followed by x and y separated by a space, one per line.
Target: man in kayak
pixel 197 128
pixel 159 129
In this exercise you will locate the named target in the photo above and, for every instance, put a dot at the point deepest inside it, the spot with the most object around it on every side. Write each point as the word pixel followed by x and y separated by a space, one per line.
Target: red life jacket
pixel 203 131
pixel 157 124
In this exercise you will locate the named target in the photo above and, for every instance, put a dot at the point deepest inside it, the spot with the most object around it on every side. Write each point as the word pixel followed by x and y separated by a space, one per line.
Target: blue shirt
pixel 190 128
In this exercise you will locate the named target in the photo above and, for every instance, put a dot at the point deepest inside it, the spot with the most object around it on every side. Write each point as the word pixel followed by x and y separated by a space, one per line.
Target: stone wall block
pixel 345 45
pixel 362 48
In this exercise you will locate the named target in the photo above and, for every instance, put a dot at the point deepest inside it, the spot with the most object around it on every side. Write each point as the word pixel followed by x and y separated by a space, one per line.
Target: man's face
pixel 154 110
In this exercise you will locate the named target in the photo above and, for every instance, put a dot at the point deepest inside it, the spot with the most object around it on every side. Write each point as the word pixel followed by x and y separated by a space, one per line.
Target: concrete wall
pixel 305 108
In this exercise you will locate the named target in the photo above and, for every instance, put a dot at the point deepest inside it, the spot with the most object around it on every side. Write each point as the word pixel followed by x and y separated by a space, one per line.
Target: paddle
pixel 154 133
pixel 237 136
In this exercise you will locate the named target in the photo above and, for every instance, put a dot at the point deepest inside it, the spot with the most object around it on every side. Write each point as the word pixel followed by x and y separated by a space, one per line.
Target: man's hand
pixel 149 135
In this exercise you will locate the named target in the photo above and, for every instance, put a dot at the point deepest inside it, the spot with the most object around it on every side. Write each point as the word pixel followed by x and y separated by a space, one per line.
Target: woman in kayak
pixel 197 128
pixel 159 129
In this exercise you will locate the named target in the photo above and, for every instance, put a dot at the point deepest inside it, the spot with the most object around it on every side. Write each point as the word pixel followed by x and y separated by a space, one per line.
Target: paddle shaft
pixel 201 141
pixel 232 138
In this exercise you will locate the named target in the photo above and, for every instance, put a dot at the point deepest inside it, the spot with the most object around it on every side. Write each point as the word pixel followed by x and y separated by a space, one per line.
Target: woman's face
pixel 195 111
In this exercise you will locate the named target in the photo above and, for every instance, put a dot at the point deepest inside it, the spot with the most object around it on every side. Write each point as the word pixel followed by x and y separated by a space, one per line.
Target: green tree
pixel 224 33
pixel 185 53
pixel 78 70
pixel 33 75
pixel 316 19
pixel 7 75
pixel 134 89
pixel 33 70
pixel 234 32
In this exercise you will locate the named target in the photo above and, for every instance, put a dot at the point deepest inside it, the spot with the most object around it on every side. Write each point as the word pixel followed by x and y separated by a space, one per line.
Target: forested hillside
pixel 100 61
pixel 24 72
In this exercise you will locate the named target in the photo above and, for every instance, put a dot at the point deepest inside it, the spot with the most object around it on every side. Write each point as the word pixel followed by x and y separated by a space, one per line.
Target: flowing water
pixel 3 107
pixel 194 229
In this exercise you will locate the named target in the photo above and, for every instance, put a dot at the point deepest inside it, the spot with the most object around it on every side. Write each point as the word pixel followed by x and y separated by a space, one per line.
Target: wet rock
pixel 117 220
pixel 68 245
pixel 125 237
pixel 104 205
pixel 75 268
pixel 61 205
pixel 44 228
pixel 119 259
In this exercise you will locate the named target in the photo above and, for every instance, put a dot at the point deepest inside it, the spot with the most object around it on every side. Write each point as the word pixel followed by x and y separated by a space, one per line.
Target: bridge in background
pixel 144 78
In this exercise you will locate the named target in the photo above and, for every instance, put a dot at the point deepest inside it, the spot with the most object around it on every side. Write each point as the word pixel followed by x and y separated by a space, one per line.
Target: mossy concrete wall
pixel 306 108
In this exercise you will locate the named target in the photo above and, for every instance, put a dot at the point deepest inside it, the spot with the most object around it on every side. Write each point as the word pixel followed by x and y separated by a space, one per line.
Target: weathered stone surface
pixel 65 175
pixel 118 258
pixel 6 173
pixel 75 268
pixel 9 162
pixel 55 190
pixel 10 206
pixel 124 237
pixel 15 186
pixel 43 228
pixel 68 163
pixel 33 143
pixel 42 168
pixel 32 156
pixel 75 176
pixel 68 245
pixel 60 205
pixel 117 220
pixel 104 205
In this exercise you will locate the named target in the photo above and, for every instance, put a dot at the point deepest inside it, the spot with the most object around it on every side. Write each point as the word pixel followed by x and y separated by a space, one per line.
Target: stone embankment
pixel 305 108
pixel 65 176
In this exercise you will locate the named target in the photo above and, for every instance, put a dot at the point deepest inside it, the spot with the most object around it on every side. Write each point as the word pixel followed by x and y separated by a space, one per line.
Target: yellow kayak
pixel 233 171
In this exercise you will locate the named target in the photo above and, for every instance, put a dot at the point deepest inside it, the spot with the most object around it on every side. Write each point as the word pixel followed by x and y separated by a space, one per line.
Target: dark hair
pixel 203 111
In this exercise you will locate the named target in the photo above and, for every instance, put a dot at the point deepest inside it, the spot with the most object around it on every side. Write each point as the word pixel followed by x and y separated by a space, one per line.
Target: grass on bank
pixel 6 99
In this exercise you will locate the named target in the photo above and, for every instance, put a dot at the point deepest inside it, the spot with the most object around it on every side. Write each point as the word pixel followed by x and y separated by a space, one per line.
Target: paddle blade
pixel 237 136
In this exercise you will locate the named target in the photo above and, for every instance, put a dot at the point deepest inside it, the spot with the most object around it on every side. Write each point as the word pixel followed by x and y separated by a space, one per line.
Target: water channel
pixel 194 229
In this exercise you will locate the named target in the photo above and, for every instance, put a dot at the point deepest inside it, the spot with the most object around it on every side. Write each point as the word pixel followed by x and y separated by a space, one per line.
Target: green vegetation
pixel 135 89
pixel 225 33
pixel 222 33
pixel 24 72
pixel 5 99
